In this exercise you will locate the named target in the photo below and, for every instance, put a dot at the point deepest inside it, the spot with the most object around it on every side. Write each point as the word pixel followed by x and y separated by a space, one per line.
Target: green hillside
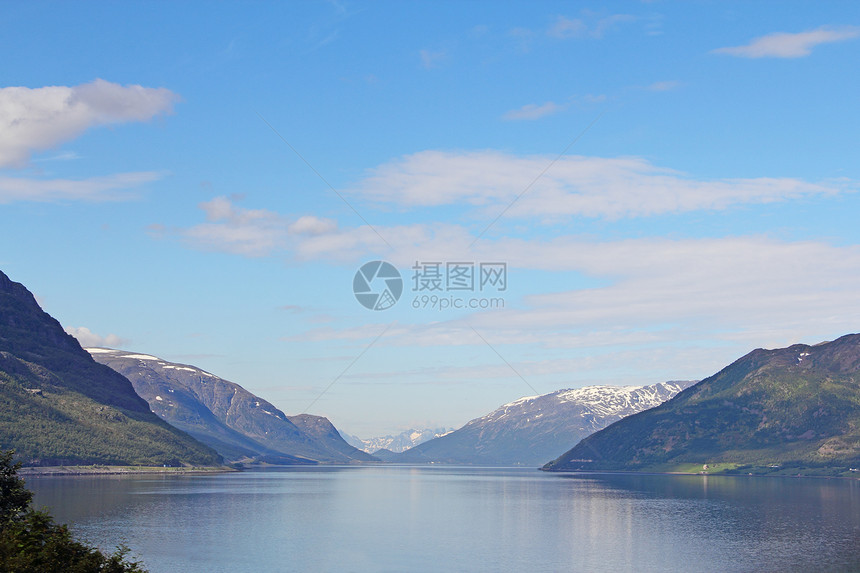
pixel 792 410
pixel 58 406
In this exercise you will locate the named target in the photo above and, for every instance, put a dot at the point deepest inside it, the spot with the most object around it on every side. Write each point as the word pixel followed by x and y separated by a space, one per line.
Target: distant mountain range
pixel 785 411
pixel 59 407
pixel 791 410
pixel 238 424
pixel 532 430
pixel 397 443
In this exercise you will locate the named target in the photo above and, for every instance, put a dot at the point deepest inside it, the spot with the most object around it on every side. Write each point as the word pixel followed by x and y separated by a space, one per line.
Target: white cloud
pixel 593 98
pixel 64 156
pixel 431 59
pixel 699 301
pixel 523 37
pixel 533 111
pixel 749 282
pixel 610 23
pixel 88 339
pixel 424 241
pixel 567 28
pixel 259 232
pixel 739 290
pixel 786 45
pixel 563 27
pixel 664 86
pixel 736 283
pixel 108 188
pixel 310 225
pixel 609 188
pixel 729 295
pixel 746 287
pixel 35 119
pixel 232 229
pixel 712 299
pixel 574 185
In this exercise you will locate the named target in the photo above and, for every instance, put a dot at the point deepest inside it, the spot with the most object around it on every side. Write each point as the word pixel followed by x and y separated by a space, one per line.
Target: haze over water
pixel 397 518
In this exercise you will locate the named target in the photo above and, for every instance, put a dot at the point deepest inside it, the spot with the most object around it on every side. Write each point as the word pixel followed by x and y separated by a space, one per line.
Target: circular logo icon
pixel 377 285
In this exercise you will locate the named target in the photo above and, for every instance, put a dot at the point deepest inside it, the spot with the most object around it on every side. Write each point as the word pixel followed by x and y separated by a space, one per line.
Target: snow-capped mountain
pixel 399 443
pixel 535 429
pixel 225 416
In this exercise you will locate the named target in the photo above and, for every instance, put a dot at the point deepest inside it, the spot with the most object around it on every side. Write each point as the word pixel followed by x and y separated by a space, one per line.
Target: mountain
pixel 59 407
pixel 790 410
pixel 326 434
pixel 532 430
pixel 397 443
pixel 238 424
pixel 386 455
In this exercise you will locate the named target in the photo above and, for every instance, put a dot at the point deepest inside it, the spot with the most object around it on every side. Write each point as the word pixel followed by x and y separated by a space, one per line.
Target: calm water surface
pixel 396 518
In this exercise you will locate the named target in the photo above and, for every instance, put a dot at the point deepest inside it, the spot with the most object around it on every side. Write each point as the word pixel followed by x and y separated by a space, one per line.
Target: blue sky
pixel 670 185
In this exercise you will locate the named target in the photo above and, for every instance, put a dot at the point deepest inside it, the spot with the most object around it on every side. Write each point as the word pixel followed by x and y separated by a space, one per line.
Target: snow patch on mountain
pixel 599 401
pixel 140 356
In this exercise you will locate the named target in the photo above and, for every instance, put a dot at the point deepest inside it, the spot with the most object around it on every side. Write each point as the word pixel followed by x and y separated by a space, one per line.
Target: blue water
pixel 397 518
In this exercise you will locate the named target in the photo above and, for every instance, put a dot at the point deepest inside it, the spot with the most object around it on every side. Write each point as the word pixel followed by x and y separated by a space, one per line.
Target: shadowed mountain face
pixel 58 406
pixel 532 430
pixel 240 425
pixel 796 407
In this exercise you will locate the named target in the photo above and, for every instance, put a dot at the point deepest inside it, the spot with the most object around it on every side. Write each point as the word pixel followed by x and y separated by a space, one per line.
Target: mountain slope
pixel 58 406
pixel 783 410
pixel 386 455
pixel 532 430
pixel 322 430
pixel 224 415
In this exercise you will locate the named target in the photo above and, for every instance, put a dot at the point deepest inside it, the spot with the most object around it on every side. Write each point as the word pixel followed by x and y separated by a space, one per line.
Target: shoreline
pixel 700 474
pixel 40 471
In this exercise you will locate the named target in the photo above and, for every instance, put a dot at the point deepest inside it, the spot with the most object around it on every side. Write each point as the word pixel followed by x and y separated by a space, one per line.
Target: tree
pixel 30 541
pixel 14 497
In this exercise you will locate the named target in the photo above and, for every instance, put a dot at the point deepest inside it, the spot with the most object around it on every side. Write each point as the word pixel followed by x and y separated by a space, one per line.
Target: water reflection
pixel 741 523
pixel 465 519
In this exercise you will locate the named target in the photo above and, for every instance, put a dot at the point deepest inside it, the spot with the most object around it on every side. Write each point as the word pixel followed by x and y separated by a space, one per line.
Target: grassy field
pixel 689 468
pixel 724 468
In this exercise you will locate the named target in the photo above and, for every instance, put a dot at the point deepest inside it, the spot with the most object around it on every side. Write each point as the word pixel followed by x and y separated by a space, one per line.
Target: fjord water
pixel 399 518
